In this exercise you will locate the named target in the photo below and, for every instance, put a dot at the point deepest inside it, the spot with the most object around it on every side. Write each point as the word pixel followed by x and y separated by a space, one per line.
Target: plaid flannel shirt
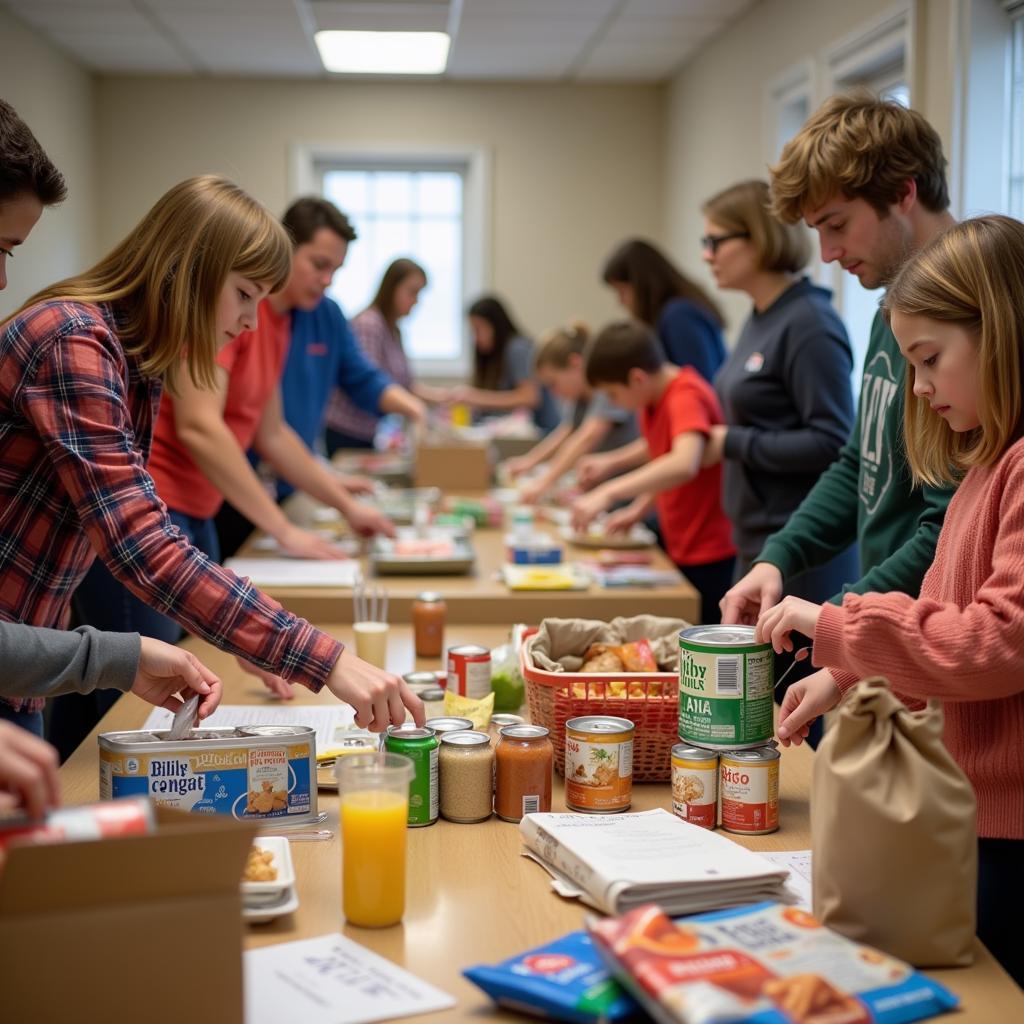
pixel 76 424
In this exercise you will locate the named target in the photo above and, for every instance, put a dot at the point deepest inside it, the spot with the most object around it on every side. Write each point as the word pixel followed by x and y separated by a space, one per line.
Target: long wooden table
pixel 472 898
pixel 481 598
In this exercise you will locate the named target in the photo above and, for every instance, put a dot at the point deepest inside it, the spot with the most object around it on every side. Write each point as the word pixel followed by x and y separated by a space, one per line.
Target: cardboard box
pixel 453 466
pixel 142 928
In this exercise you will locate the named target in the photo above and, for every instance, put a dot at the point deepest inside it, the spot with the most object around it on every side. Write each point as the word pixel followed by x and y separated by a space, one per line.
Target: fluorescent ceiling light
pixel 383 53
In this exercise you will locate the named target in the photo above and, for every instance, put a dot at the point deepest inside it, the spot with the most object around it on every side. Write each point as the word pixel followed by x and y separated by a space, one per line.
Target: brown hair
pixel 655 280
pixel 396 273
pixel 781 248
pixel 306 216
pixel 25 169
pixel 971 275
pixel 166 277
pixel 862 147
pixel 555 347
pixel 620 347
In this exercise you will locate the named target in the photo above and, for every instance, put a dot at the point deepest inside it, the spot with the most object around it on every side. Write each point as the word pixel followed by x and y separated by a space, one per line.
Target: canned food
pixel 499 721
pixel 466 761
pixel 524 759
pixel 725 687
pixel 421 680
pixel 131 816
pixel 695 784
pixel 449 724
pixel 248 772
pixel 599 764
pixel 750 791
pixel 420 746
pixel 469 671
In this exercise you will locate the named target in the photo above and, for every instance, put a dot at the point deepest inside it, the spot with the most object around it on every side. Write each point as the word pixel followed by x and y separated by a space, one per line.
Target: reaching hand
pixel 368 522
pixel 304 544
pixel 805 700
pixel 165 670
pixel 777 625
pixel 277 686
pixel 622 520
pixel 591 470
pixel 587 508
pixel 380 698
pixel 755 593
pixel 357 484
pixel 28 772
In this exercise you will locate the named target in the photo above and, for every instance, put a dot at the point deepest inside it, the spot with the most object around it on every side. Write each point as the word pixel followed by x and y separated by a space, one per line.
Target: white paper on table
pixel 331 980
pixel 798 863
pixel 329 720
pixel 295 572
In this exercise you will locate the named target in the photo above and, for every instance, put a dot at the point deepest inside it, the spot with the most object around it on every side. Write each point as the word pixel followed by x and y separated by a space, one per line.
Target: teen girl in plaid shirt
pixel 82 366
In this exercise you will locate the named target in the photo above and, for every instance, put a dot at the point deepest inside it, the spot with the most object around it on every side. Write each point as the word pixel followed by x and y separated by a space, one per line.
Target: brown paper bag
pixel 893 831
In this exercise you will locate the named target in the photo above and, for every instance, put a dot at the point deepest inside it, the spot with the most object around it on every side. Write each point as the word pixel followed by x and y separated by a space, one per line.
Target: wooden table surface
pixel 472 898
pixel 481 598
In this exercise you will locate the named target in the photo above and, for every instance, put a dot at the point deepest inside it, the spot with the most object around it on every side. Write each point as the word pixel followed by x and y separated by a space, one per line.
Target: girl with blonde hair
pixel 590 423
pixel 82 366
pixel 956 312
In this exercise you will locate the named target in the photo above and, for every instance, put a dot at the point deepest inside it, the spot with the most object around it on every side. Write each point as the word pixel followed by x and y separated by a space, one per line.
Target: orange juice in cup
pixel 374 798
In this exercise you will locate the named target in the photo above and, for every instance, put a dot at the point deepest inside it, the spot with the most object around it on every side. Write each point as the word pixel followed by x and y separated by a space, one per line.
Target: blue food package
pixel 564 980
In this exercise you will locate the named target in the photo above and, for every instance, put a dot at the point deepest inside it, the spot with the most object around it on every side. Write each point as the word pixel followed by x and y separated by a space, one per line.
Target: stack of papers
pixel 295 572
pixel 618 862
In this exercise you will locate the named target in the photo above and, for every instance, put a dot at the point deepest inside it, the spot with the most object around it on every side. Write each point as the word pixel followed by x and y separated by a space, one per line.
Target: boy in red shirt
pixel 676 408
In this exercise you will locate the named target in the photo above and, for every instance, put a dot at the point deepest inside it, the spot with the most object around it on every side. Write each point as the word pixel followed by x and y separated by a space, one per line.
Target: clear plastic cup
pixel 374 799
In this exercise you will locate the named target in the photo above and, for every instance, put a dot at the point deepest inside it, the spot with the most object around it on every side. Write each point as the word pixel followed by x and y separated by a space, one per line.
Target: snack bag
pixel 477 711
pixel 563 980
pixel 760 964
pixel 892 825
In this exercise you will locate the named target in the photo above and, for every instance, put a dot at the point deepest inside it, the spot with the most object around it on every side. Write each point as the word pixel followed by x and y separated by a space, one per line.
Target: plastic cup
pixel 374 798
pixel 372 642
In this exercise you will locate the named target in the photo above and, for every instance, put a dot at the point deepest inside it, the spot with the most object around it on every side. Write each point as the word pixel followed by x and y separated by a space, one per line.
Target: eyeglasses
pixel 712 242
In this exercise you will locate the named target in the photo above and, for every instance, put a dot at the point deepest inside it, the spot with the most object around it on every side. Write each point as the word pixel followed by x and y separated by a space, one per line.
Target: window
pixel 413 213
pixel 1016 163
pixel 431 205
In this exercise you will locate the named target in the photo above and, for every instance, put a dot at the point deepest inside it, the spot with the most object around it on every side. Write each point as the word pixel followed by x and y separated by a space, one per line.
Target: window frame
pixel 310 161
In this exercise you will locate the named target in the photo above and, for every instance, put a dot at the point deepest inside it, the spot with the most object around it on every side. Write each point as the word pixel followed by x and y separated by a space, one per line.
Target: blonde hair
pixel 556 346
pixel 166 277
pixel 781 248
pixel 971 275
pixel 861 147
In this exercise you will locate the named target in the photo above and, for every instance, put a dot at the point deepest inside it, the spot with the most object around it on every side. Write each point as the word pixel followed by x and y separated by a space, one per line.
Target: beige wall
pixel 715 120
pixel 55 98
pixel 573 168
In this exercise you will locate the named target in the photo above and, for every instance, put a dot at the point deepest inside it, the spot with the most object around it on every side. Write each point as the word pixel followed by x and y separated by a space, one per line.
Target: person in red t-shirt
pixel 677 409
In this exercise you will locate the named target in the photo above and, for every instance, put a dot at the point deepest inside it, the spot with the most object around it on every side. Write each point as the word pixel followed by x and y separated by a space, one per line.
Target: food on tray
pixel 259 867
pixel 424 547
pixel 267 799
pixel 631 657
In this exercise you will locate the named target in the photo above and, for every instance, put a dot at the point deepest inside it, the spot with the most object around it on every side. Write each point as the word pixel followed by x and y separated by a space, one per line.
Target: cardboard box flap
pixel 189 855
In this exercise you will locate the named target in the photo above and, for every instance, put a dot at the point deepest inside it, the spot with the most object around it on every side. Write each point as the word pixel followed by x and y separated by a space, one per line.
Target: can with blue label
pixel 251 772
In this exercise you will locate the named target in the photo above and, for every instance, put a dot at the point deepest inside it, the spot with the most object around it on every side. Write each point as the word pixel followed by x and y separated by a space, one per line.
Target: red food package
pixel 637 656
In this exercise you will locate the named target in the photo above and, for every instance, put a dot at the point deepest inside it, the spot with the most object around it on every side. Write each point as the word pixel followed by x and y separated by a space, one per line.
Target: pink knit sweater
pixel 962 640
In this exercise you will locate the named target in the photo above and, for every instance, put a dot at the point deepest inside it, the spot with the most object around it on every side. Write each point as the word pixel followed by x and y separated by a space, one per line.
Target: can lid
pixel 504 718
pixel 693 753
pixel 449 723
pixel 431 694
pixel 466 739
pixel 727 636
pixel 421 678
pixel 753 754
pixel 600 723
pixel 430 597
pixel 409 732
pixel 272 730
pixel 469 649
pixel 524 732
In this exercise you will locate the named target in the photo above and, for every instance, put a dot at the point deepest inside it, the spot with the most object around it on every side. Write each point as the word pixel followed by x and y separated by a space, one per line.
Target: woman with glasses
pixel 651 288
pixel 785 387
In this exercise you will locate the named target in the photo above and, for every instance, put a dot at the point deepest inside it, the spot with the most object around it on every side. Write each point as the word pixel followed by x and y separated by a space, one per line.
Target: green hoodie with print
pixel 867 494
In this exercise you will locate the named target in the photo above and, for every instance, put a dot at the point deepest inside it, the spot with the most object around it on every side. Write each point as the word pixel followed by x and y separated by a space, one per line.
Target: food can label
pixel 750 796
pixel 469 676
pixel 725 694
pixel 695 791
pixel 423 790
pixel 598 774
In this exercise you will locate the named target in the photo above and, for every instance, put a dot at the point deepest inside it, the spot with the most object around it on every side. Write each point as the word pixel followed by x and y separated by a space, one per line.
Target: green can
pixel 420 746
pixel 726 684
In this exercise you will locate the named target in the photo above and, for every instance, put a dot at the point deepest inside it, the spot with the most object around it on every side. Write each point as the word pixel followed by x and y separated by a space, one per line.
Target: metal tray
pixel 385 562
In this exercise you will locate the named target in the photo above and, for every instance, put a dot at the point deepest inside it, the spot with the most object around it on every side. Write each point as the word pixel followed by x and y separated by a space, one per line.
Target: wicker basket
pixel 652 706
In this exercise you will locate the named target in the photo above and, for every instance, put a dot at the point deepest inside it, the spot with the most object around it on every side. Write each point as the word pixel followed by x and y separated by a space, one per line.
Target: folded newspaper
pixel 616 862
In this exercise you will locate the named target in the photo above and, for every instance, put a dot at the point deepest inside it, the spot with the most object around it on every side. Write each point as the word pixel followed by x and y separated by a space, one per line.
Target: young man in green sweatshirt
pixel 869 176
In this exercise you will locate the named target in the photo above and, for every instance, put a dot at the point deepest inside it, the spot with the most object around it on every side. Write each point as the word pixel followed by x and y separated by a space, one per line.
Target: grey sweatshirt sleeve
pixel 41 662
pixel 817 370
